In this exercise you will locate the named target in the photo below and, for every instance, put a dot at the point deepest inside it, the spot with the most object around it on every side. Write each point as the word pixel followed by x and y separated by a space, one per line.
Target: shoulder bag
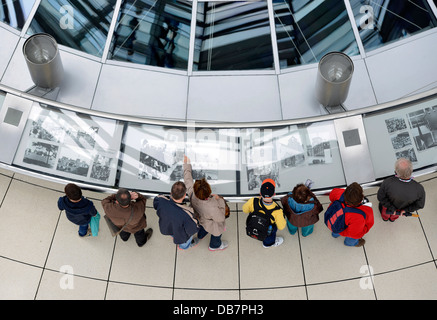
pixel 115 231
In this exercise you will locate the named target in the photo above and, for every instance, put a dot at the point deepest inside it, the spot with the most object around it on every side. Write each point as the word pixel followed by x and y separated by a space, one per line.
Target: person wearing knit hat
pixel 265 202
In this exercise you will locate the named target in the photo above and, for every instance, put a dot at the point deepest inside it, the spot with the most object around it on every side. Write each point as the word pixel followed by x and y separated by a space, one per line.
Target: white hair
pixel 404 168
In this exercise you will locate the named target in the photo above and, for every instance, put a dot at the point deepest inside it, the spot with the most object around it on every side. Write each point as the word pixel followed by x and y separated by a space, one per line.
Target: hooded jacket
pixel 301 214
pixel 79 213
pixel 358 226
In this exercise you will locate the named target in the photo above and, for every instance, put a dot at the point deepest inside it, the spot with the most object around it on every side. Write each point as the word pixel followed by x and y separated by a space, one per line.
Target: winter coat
pixel 79 213
pixel 301 214
pixel 211 212
pixel 120 216
pixel 358 226
pixel 176 220
pixel 396 194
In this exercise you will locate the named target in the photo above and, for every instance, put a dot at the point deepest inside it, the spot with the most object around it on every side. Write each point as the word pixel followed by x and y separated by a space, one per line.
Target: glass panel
pixel 81 24
pixel 152 32
pixel 15 12
pixel 383 21
pixel 70 145
pixel 306 30
pixel 291 155
pixel 2 98
pixel 153 156
pixel 233 36
pixel 409 132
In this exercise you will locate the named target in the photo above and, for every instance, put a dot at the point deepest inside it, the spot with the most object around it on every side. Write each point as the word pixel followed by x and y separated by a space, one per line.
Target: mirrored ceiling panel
pixel 308 29
pixel 383 21
pixel 80 24
pixel 15 12
pixel 155 33
pixel 233 36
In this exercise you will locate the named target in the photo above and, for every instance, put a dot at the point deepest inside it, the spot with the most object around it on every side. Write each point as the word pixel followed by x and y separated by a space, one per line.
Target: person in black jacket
pixel 78 209
pixel 400 194
pixel 176 219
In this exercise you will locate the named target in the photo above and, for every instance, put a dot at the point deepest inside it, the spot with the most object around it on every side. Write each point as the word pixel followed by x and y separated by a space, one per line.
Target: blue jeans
pixel 306 231
pixel 186 245
pixel 350 242
pixel 83 230
pixel 214 242
pixel 271 238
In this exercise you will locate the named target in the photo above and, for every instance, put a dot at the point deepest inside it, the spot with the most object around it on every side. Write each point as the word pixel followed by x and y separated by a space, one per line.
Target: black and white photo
pixel 423 127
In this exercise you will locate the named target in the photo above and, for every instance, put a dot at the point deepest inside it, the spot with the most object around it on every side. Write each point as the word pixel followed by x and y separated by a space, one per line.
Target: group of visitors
pixel 349 213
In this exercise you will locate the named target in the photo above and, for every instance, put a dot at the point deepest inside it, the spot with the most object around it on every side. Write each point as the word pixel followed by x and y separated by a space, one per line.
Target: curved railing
pixel 102 151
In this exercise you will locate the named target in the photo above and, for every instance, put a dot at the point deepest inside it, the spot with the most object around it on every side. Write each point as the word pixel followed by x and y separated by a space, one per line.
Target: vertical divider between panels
pixel 30 18
pixel 433 7
pixel 111 31
pixel 355 28
pixel 192 38
pixel 273 36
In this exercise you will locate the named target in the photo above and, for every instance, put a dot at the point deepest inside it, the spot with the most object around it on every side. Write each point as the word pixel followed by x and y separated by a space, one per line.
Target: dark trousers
pixel 140 237
pixel 271 238
pixel 214 243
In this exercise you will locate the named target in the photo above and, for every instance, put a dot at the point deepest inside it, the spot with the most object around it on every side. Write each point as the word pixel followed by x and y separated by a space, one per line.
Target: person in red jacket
pixel 358 226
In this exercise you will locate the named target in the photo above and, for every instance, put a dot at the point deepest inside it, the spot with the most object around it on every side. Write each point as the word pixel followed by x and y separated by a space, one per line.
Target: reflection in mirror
pixel 15 12
pixel 380 22
pixel 81 24
pixel 307 30
pixel 155 33
pixel 233 36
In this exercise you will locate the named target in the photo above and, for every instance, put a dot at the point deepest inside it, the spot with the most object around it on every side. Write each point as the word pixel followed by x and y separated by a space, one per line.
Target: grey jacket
pixel 211 211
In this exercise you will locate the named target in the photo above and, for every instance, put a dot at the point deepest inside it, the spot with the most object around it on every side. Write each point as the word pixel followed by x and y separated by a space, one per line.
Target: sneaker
pixel 193 243
pixel 223 246
pixel 360 243
pixel 278 242
pixel 88 233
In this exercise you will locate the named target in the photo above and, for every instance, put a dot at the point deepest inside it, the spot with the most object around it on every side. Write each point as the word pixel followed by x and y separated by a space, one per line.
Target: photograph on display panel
pixel 161 154
pixel 70 145
pixel 409 132
pixel 290 155
pixel 260 159
pixel 423 126
pixel 400 138
pixel 153 157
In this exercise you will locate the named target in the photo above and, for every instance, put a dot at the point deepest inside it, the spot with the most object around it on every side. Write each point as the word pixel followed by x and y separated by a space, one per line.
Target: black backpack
pixel 258 221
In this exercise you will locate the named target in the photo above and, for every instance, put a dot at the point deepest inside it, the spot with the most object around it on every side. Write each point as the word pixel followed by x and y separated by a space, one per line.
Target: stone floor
pixel 39 246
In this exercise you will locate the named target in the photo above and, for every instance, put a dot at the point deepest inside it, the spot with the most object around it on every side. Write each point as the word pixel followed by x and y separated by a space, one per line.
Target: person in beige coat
pixel 210 208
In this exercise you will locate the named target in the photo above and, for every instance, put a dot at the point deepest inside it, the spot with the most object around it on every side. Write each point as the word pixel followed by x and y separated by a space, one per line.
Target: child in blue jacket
pixel 78 209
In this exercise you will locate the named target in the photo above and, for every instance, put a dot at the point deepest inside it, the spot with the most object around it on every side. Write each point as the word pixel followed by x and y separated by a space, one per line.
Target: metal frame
pixel 201 124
